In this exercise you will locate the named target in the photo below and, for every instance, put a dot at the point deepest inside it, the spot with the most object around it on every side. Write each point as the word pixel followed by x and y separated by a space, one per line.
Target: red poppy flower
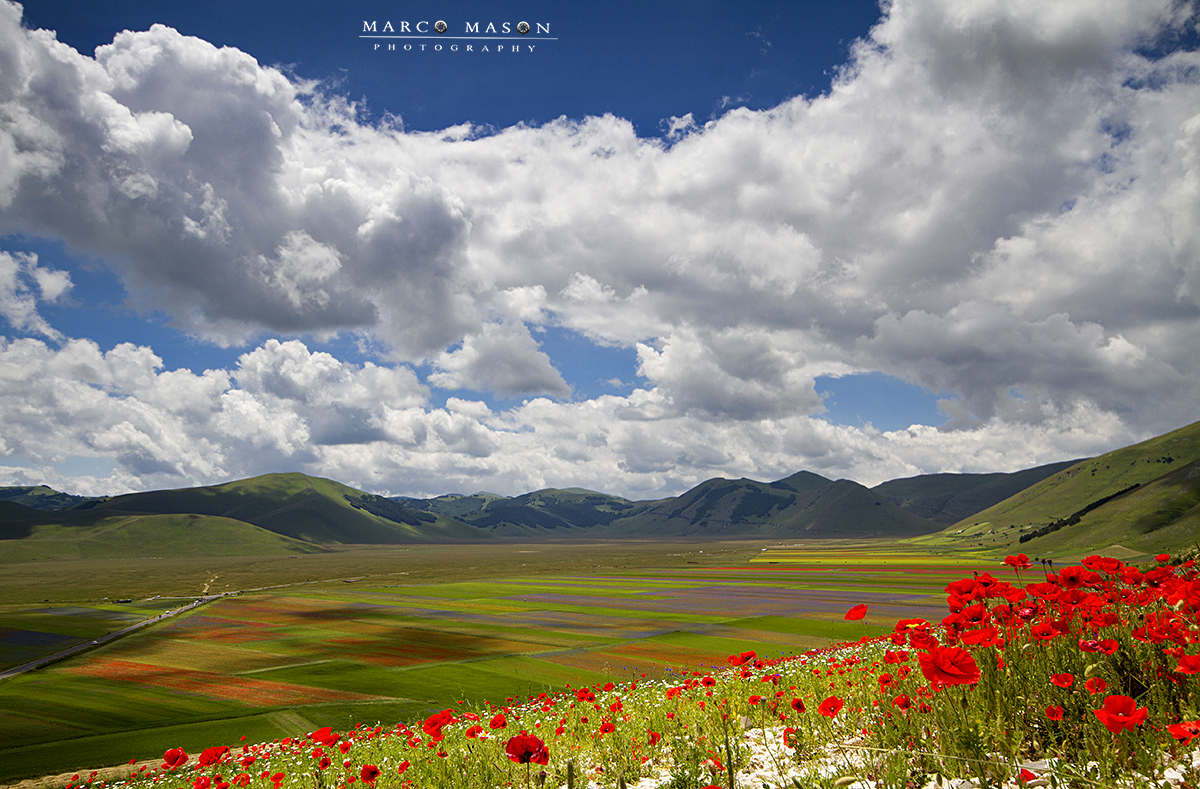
pixel 789 737
pixel 1063 680
pixel 902 702
pixel 1163 558
pixel 754 699
pixel 498 722
pixel 1185 731
pixel 986 636
pixel 1076 577
pixel 1105 645
pixel 949 666
pixel 525 748
pixel 856 613
pixel 798 705
pixel 920 639
pixel 830 706
pixel 607 727
pixel 324 763
pixel 201 782
pixel 403 766
pixel 1054 713
pixel 1188 664
pixel 174 757
pixel 653 737
pixel 369 773
pixel 242 779
pixel 745 657
pixel 708 682
pixel 1121 713
pixel 214 755
pixel 1096 685
pixel 434 723
pixel 1018 562
pixel 474 731
pixel 325 736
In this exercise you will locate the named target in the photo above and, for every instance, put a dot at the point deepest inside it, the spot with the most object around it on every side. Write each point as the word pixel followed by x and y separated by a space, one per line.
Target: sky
pixel 636 247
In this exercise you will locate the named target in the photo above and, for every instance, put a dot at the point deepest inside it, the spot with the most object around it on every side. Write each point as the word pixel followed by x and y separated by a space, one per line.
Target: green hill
pixel 271 514
pixel 948 498
pixel 746 508
pixel 41 497
pixel 574 510
pixel 452 505
pixel 310 509
pixel 1143 497
pixel 99 536
pixel 1089 490
pixel 1162 516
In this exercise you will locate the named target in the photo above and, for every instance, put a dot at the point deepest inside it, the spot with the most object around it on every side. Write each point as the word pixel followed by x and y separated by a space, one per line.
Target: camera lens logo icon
pixel 522 27
pixel 440 26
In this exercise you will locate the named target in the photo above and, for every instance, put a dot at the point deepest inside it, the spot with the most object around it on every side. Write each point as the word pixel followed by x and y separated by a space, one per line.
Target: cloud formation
pixel 23 283
pixel 996 200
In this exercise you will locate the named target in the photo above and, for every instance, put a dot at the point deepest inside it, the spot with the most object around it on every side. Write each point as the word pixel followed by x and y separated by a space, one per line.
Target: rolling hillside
pixel 1143 497
pixel 41 497
pixel 1160 516
pixel 1099 502
pixel 31 535
pixel 948 498
pixel 311 509
pixel 272 514
pixel 746 508
pixel 574 512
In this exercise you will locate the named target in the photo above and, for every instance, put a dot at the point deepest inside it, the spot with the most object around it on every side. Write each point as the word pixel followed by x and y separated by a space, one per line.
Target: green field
pixel 415 629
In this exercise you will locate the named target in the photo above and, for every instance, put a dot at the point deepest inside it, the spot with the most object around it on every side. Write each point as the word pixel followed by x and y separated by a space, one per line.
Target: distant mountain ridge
pixel 1146 495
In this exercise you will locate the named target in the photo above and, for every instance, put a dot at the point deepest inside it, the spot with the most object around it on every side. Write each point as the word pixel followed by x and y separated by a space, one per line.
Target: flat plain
pixel 380 635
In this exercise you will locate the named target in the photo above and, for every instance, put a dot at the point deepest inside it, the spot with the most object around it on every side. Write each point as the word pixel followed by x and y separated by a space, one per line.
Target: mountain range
pixel 1145 497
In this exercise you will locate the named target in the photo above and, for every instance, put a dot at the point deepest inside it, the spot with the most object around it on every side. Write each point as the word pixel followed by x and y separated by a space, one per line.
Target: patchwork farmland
pixel 271 663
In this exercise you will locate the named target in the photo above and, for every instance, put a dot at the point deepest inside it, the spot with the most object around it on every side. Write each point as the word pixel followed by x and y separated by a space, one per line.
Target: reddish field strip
pixel 252 692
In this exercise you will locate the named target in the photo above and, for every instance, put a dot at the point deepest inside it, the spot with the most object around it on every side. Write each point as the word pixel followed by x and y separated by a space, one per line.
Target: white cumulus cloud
pixel 994 199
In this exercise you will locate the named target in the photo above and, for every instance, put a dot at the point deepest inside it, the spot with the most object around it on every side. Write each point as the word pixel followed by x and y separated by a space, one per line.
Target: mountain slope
pixel 1074 488
pixel 1162 516
pixel 311 509
pixel 948 498
pixel 41 497
pixel 35 535
pixel 746 508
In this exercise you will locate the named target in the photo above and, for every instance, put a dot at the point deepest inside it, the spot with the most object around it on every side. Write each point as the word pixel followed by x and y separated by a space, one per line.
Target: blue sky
pixel 645 247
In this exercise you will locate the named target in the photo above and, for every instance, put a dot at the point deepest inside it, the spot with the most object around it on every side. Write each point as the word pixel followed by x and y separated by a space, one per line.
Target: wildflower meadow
pixel 1079 676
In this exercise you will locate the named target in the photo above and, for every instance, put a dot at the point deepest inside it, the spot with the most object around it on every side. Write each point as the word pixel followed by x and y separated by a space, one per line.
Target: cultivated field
pixel 371 635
